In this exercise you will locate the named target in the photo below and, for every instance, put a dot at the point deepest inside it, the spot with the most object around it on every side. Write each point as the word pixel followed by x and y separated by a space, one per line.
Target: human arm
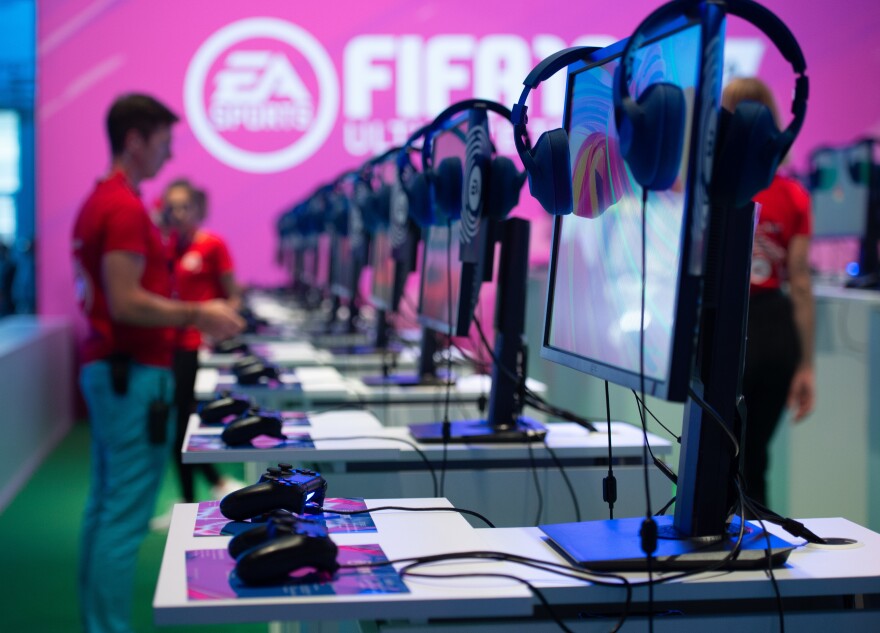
pixel 231 290
pixel 802 393
pixel 130 303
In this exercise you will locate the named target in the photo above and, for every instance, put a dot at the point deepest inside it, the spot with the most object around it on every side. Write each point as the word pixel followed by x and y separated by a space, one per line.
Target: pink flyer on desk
pixel 211 522
pixel 209 576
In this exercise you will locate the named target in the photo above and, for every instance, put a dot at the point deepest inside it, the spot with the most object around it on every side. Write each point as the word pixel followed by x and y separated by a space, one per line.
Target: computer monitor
pixel 846 217
pixel 453 270
pixel 696 290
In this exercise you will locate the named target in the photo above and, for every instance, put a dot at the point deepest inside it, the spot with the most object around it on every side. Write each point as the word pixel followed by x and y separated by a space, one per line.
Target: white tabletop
pixel 809 572
pixel 376 443
pixel 401 534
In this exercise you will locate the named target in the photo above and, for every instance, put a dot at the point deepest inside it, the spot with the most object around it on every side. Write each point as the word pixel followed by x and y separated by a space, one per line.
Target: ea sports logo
pixel 261 95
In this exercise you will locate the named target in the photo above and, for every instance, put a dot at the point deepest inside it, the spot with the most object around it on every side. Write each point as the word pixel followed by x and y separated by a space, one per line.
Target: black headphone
pixel 493 182
pixel 548 165
pixel 414 183
pixel 749 145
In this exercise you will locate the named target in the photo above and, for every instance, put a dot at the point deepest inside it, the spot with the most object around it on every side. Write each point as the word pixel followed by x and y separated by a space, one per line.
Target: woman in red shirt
pixel 779 368
pixel 202 271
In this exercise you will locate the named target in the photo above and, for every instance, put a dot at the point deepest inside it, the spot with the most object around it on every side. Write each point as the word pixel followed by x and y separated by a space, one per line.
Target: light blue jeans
pixel 126 472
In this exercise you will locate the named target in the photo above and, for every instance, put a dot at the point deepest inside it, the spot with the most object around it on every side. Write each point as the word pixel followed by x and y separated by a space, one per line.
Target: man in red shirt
pixel 123 285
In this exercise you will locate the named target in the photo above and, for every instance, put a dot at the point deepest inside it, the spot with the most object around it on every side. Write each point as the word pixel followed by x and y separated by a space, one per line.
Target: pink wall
pixel 337 107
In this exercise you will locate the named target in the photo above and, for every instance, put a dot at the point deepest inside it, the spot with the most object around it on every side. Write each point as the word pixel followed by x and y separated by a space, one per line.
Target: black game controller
pixel 253 423
pixel 272 562
pixel 231 346
pixel 279 523
pixel 225 404
pixel 281 488
pixel 253 370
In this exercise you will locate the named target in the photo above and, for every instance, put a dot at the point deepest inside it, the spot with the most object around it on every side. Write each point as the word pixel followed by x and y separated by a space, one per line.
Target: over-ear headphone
pixel 548 165
pixel 749 145
pixel 492 182
pixel 414 183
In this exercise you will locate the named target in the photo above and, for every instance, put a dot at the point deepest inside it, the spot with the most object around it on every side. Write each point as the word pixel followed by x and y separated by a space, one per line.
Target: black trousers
pixel 186 364
pixel 772 355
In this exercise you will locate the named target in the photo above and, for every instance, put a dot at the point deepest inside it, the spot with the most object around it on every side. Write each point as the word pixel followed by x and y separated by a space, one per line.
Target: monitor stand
pixel 504 422
pixel 480 432
pixel 615 545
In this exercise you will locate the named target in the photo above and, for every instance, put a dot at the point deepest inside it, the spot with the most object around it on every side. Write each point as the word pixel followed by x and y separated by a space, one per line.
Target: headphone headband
pixel 403 160
pixel 543 71
pixel 760 17
pixel 451 111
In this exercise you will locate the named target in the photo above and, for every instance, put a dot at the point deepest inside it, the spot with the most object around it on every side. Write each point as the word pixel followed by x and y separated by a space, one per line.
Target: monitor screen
pixel 840 190
pixel 322 261
pixel 593 319
pixel 342 267
pixel 441 279
pixel 383 266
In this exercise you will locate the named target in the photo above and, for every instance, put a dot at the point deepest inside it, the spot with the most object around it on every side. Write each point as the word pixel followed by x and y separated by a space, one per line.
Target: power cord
pixel 405 509
pixel 609 483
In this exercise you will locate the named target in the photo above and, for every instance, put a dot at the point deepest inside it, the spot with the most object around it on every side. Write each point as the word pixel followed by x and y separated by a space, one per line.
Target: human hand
pixel 802 393
pixel 218 320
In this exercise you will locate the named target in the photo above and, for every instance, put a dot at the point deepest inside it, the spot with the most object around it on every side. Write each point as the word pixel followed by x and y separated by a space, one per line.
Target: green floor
pixel 39 536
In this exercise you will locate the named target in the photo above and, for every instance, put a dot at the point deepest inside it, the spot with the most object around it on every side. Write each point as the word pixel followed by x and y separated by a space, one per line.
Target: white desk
pixel 280 353
pixel 821 589
pixel 498 480
pixel 323 387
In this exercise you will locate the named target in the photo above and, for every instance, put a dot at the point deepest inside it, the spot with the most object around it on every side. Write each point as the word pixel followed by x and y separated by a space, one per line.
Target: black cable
pixel 705 406
pixel 660 464
pixel 459 510
pixel 663 510
pixel 648 531
pixel 446 425
pixel 414 446
pixel 556 460
pixel 536 402
pixel 609 484
pixel 677 438
pixel 554 568
pixel 537 481
pixel 779 606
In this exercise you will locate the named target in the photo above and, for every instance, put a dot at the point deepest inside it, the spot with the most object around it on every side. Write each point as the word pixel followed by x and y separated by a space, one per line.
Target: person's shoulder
pixel 209 239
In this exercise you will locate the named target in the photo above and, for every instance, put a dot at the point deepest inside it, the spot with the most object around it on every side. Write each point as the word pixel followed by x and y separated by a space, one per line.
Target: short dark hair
pixel 139 112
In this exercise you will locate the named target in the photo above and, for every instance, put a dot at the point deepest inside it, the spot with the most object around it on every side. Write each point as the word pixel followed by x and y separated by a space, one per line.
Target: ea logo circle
pixel 248 98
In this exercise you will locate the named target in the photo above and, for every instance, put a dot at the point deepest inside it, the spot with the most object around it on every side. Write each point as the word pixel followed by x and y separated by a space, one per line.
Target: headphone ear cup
pixel 505 182
pixel 419 198
pixel 747 155
pixel 447 179
pixel 652 135
pixel 550 179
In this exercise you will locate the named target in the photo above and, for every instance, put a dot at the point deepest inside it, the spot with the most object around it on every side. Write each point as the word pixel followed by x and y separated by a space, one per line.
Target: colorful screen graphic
pixel 596 290
pixel 441 279
pixel 383 271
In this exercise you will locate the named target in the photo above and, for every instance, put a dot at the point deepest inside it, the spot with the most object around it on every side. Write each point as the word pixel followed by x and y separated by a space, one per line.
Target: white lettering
pixel 409 81
pixel 443 75
pixel 362 75
pixel 551 93
pixel 500 65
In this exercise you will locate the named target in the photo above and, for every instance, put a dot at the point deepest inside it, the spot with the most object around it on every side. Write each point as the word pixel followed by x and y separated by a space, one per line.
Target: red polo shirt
pixel 113 218
pixel 198 271
pixel 784 214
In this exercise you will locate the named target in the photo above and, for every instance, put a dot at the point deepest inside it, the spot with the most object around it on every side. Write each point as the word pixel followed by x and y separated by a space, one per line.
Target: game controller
pixel 272 562
pixel 282 488
pixel 253 370
pixel 256 422
pixel 279 523
pixel 231 346
pixel 224 404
